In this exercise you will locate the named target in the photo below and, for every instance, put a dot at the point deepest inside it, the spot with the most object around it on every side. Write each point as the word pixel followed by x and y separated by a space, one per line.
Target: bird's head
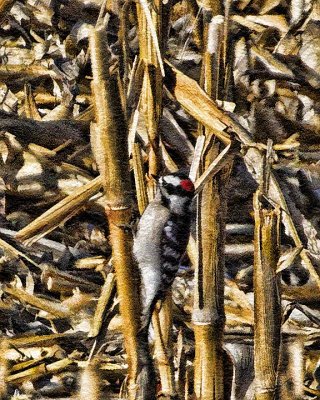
pixel 177 191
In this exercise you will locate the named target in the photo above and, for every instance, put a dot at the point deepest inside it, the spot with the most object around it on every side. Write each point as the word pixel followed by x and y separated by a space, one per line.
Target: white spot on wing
pixel 169 235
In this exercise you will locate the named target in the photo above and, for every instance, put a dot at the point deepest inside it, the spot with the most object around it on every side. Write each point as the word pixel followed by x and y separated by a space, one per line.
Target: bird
pixel 161 240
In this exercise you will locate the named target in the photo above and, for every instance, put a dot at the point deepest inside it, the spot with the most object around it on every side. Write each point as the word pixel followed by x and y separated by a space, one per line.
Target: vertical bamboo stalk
pixel 151 101
pixel 141 191
pixel 123 38
pixel 151 95
pixel 208 314
pixel 110 147
pixel 163 350
pixel 90 383
pixel 212 39
pixel 267 304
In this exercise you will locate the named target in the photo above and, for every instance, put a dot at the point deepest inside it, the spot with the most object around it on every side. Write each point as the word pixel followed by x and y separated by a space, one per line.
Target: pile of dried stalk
pixel 97 101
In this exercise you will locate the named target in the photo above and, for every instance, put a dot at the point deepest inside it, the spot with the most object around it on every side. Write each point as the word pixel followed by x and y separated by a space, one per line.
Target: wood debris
pixel 99 99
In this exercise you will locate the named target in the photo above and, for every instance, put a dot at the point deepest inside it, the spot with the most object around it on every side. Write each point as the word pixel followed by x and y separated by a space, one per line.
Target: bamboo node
pixel 117 208
pixel 262 390
pixel 206 317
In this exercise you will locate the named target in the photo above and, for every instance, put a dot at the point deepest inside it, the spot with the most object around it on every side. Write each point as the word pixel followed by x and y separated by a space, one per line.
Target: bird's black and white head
pixel 177 191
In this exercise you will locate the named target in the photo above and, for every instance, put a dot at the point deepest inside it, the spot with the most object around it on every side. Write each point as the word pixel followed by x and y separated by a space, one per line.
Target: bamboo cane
pixel 267 330
pixel 109 142
pixel 208 315
pixel 152 81
pixel 163 346
pixel 141 190
pixel 90 384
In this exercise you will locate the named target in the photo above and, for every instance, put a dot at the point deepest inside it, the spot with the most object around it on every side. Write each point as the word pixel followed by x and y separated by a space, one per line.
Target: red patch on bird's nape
pixel 187 185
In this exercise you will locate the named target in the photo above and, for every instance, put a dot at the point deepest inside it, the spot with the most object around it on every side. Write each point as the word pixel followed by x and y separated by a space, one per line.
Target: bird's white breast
pixel 147 251
pixel 146 248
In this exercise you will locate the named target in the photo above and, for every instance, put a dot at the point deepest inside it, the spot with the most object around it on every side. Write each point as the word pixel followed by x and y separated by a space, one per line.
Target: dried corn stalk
pixel 150 29
pixel 109 140
pixel 208 314
pixel 60 212
pixel 267 329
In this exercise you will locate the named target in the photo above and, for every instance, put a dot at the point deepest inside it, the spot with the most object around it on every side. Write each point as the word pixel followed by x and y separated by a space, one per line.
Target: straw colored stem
pixel 90 382
pixel 196 102
pixel 139 178
pixel 105 296
pixel 123 36
pixel 267 331
pixel 43 340
pixel 27 72
pixel 195 11
pixel 127 284
pixel 182 366
pixel 208 314
pixel 212 35
pixel 208 379
pixel 30 106
pixel 110 147
pixel 60 212
pixel 39 371
pixel 163 351
pixel 4 368
pixel 55 309
pixel 152 81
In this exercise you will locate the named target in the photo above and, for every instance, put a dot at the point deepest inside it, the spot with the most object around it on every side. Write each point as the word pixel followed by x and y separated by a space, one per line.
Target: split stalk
pixel 267 307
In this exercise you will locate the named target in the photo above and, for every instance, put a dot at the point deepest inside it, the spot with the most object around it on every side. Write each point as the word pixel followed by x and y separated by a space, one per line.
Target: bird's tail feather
pixel 147 376
pixel 146 380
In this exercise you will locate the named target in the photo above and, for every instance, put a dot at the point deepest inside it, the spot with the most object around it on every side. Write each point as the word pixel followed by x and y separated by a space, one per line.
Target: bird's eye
pixel 169 187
